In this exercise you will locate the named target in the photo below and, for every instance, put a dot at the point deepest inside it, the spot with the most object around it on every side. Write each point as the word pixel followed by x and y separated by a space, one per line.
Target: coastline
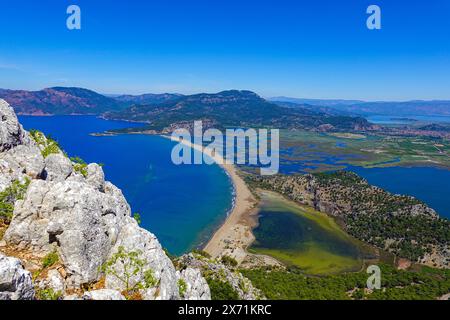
pixel 234 236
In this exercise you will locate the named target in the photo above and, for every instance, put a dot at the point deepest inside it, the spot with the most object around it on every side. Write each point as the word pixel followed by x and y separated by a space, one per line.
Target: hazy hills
pixel 389 108
pixel 149 98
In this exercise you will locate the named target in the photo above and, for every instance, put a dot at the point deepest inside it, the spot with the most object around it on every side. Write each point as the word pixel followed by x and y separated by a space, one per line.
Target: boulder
pixel 196 286
pixel 11 132
pixel 132 238
pixel 57 167
pixel 95 176
pixel 15 281
pixel 103 294
pixel 81 221
pixel 54 281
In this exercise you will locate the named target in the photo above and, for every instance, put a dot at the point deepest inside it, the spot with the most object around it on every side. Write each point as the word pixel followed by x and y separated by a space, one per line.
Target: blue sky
pixel 311 49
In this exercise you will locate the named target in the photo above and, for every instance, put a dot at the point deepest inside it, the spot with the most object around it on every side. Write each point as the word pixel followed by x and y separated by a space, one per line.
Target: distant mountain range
pixel 233 109
pixel 59 101
pixel 224 109
pixel 148 98
pixel 389 108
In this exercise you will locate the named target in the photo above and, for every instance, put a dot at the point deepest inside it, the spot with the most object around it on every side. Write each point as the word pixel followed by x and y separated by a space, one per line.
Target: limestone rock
pixel 75 217
pixel 15 282
pixel 134 239
pixel 103 294
pixel 57 167
pixel 95 176
pixel 218 271
pixel 196 286
pixel 11 132
pixel 54 281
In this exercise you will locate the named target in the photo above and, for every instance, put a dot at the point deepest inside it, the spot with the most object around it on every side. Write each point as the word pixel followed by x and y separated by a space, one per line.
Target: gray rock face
pixel 15 282
pixel 95 176
pixel 196 286
pixel 103 294
pixel 241 285
pixel 57 168
pixel 11 132
pixel 85 218
pixel 54 281
pixel 135 239
pixel 78 219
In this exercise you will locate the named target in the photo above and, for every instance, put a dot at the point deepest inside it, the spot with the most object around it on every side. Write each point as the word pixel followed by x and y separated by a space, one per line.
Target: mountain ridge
pixel 392 108
pixel 233 108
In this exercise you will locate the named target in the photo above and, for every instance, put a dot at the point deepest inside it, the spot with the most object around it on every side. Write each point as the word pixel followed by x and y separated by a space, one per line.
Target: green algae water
pixel 303 237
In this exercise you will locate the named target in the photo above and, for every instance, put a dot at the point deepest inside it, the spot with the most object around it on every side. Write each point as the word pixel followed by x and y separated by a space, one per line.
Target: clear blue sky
pixel 312 49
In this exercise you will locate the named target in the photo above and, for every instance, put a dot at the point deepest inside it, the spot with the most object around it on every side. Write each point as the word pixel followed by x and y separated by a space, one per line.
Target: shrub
pixel 221 290
pixel 50 259
pixel 229 261
pixel 47 145
pixel 48 294
pixel 182 287
pixel 202 253
pixel 132 266
pixel 137 217
pixel 16 191
pixel 80 166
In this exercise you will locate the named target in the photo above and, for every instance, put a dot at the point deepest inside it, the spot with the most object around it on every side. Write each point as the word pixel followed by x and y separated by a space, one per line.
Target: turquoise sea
pixel 182 205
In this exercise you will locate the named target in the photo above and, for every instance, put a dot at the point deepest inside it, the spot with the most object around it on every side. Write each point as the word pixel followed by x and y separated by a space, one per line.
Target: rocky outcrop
pixel 15 281
pixel 196 286
pixel 215 270
pixel 70 209
pixel 103 294
pixel 11 132
pixel 134 239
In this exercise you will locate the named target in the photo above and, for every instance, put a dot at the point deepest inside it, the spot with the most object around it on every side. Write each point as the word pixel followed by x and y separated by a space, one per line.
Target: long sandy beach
pixel 235 234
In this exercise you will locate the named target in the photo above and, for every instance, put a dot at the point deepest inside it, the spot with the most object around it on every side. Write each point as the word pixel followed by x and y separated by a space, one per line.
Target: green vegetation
pixel 221 290
pixel 202 253
pixel 132 265
pixel 368 213
pixel 182 287
pixel 333 151
pixel 50 259
pixel 48 294
pixel 16 191
pixel 232 108
pixel 137 217
pixel 424 284
pixel 47 145
pixel 80 166
pixel 229 261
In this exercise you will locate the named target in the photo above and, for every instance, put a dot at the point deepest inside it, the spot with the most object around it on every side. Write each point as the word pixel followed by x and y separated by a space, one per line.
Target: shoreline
pixel 235 234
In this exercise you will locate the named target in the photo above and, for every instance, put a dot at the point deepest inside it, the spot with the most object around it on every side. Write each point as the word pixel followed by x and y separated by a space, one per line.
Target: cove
pixel 181 205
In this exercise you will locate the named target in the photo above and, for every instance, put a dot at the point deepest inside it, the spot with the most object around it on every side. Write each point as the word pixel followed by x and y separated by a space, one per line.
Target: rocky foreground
pixel 66 233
